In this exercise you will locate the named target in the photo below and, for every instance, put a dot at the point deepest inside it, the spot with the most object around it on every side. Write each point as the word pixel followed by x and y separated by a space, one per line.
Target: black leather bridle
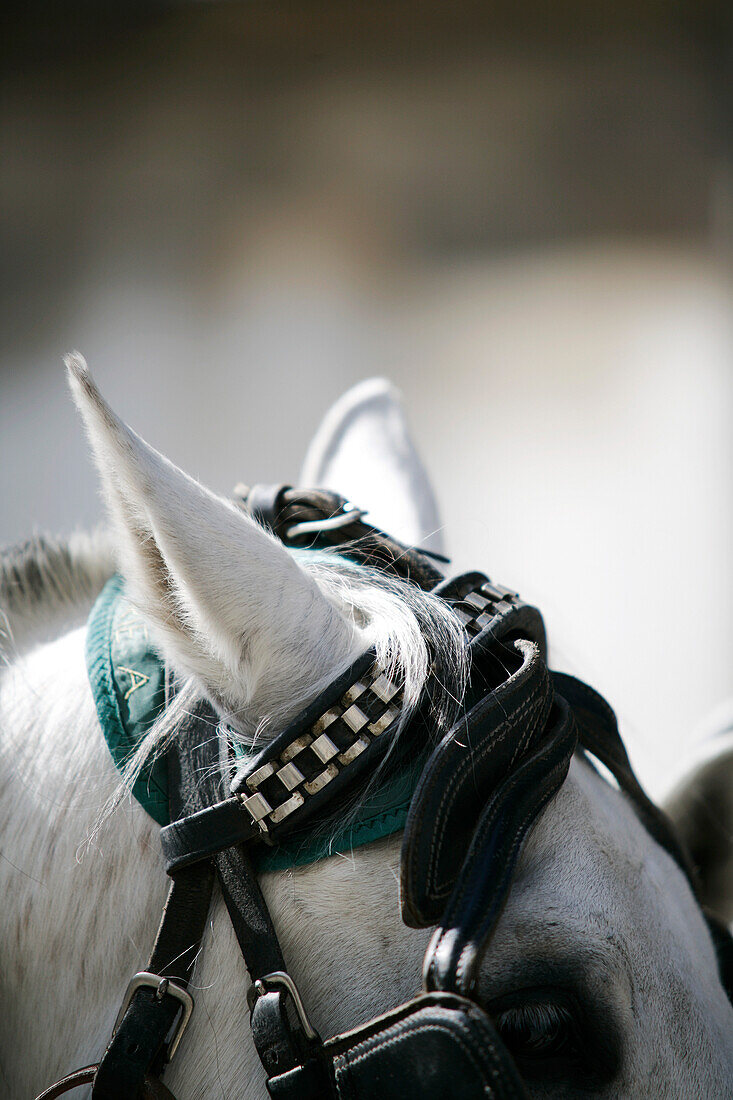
pixel 480 790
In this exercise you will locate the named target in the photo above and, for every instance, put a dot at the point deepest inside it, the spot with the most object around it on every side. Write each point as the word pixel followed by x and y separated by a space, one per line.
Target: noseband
pixel 479 792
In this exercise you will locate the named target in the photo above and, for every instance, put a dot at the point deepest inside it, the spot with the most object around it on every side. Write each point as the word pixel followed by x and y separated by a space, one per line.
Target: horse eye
pixel 538 1029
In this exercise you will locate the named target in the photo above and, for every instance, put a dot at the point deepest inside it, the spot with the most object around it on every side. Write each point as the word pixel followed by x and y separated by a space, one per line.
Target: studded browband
pixel 336 740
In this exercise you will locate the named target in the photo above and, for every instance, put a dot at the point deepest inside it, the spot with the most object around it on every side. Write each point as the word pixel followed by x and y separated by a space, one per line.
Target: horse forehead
pixel 588 832
pixel 590 874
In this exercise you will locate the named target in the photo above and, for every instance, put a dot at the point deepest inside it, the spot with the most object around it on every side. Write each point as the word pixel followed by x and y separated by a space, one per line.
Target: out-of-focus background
pixel 520 213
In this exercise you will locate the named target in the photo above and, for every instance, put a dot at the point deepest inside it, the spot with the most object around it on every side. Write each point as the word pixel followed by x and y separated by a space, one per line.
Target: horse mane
pixel 48 584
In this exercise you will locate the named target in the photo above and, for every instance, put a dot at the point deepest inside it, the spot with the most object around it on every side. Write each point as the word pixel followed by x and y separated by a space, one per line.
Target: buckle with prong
pixel 163 987
pixel 280 980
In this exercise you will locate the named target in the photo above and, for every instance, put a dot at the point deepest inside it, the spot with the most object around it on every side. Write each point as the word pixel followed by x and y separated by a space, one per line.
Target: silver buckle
pixel 162 986
pixel 347 515
pixel 280 980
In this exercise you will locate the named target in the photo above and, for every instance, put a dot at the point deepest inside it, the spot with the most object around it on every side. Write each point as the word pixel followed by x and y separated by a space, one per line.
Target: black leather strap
pixel 599 735
pixel 138 1048
pixel 201 835
pixel 200 773
pixel 490 611
pixel 285 1052
pixel 248 913
pixel 265 503
pixel 302 726
pixel 462 775
pixel 485 877
pixel 437 1045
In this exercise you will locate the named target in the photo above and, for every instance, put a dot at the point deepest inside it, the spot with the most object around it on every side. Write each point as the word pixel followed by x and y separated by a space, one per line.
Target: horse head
pixel 601 974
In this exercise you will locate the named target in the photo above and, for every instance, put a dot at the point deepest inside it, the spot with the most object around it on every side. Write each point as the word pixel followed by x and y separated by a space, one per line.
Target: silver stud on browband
pixel 259 777
pixel 367 708
pixel 354 718
pixel 353 693
pixel 258 806
pixel 324 748
pixel 480 607
pixel 384 689
pixel 294 748
pixel 321 780
pixel 287 808
pixel 290 776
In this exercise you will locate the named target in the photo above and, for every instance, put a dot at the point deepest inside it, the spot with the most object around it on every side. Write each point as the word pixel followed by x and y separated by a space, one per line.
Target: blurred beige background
pixel 236 211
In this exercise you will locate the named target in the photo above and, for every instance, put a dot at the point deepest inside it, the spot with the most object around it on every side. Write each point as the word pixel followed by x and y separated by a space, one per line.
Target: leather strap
pixel 283 509
pixel 277 1042
pixel 73 1080
pixel 153 1088
pixel 201 835
pixel 437 1045
pixel 599 735
pixel 265 504
pixel 461 776
pixel 248 913
pixel 455 952
pixel 138 1048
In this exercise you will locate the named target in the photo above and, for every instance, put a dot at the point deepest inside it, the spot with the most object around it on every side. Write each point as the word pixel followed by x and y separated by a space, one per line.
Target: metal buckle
pixel 280 980
pixel 347 514
pixel 162 986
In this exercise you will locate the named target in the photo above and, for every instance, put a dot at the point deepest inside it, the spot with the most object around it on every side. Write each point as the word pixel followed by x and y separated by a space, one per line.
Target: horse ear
pixel 226 600
pixel 701 808
pixel 363 450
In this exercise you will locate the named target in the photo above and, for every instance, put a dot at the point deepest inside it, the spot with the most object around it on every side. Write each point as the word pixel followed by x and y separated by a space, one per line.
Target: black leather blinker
pixel 455 952
pixel 461 776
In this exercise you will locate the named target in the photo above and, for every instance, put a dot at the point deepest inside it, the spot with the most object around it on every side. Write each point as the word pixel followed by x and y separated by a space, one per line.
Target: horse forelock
pixel 418 640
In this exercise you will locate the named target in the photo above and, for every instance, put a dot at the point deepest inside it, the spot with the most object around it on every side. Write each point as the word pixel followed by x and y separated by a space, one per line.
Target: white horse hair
pixel 601 937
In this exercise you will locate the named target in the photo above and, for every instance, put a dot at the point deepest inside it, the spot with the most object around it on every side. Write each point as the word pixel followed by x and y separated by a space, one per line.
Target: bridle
pixel 479 792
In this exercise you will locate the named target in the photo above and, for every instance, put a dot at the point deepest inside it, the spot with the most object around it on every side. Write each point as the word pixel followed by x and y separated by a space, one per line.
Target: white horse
pixel 601 974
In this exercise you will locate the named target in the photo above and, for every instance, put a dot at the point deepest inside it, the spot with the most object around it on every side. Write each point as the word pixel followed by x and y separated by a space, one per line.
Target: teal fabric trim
pixel 127 680
pixel 381 814
pixel 126 676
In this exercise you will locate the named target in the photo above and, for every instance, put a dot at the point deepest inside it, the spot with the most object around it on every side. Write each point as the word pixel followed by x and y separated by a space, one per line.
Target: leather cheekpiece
pixel 460 777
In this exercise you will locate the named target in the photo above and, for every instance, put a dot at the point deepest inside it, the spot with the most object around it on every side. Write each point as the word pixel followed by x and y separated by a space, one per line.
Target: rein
pixel 469 814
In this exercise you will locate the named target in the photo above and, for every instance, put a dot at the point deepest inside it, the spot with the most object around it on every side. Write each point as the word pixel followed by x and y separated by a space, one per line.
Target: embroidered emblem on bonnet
pixel 127 678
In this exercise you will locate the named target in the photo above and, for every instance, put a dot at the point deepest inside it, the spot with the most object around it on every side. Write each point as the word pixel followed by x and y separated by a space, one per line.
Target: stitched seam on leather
pixel 527 712
pixel 438 837
pixel 435 1025
pixel 510 786
pixel 463 959
pixel 471 759
pixel 552 773
pixel 519 836
pixel 436 891
pixel 342 1077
